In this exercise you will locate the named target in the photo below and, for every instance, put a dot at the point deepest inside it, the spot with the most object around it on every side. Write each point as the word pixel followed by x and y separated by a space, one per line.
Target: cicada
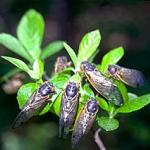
pixel 84 121
pixel 102 84
pixel 131 77
pixel 61 63
pixel 68 108
pixel 35 103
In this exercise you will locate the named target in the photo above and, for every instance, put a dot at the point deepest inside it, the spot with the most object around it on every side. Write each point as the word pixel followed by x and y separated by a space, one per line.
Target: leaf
pixel 56 105
pixel 30 32
pixel 123 90
pixel 102 103
pixel 112 57
pixel 38 70
pixel 132 96
pixel 71 53
pixel 14 45
pixel 25 92
pixel 60 79
pixel 88 45
pixel 108 124
pixel 51 49
pixel 135 104
pixel 17 62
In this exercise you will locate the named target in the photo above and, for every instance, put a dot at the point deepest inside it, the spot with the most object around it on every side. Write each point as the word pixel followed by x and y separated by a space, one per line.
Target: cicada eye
pixel 71 90
pixel 46 89
pixel 112 69
pixel 87 66
pixel 92 106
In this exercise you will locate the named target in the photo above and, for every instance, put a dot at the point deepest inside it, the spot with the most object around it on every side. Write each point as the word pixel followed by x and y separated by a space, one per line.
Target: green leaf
pixel 38 70
pixel 88 45
pixel 56 105
pixel 51 49
pixel 60 79
pixel 17 62
pixel 135 104
pixel 132 96
pixel 30 32
pixel 71 53
pixel 102 103
pixel 14 45
pixel 108 124
pixel 112 57
pixel 25 92
pixel 123 90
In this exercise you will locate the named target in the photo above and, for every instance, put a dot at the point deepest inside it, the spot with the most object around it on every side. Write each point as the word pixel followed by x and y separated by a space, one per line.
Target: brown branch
pixel 98 140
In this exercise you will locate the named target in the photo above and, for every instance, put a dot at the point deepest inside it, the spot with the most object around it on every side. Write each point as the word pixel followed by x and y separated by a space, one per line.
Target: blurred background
pixel 122 23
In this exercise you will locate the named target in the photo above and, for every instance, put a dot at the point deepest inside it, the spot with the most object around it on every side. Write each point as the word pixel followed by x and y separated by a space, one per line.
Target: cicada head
pixel 86 66
pixel 71 89
pixel 92 106
pixel 46 89
pixel 113 70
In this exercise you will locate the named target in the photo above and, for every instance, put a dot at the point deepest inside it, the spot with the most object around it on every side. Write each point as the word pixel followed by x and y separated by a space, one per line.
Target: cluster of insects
pixel 70 97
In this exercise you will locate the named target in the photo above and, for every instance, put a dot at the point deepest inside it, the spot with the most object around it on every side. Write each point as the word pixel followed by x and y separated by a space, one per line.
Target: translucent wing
pixel 84 121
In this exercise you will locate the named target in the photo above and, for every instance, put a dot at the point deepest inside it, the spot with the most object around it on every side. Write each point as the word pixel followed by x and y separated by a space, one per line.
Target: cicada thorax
pixel 102 84
pixel 35 103
pixel 84 121
pixel 131 77
pixel 61 63
pixel 68 108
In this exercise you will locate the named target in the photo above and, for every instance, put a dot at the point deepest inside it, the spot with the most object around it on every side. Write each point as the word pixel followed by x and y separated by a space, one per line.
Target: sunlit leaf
pixel 17 62
pixel 30 32
pixel 14 45
pixel 135 104
pixel 112 57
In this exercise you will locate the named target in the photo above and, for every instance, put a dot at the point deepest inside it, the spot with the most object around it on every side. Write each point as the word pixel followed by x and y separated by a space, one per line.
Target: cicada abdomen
pixel 84 121
pixel 35 103
pixel 61 63
pixel 131 77
pixel 102 84
pixel 68 108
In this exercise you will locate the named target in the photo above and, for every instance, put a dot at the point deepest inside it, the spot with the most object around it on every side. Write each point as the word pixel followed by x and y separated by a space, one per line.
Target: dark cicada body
pixel 68 108
pixel 35 104
pixel 102 85
pixel 61 63
pixel 131 77
pixel 84 121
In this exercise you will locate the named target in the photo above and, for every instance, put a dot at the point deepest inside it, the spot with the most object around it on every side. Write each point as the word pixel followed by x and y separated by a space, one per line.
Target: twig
pixel 98 140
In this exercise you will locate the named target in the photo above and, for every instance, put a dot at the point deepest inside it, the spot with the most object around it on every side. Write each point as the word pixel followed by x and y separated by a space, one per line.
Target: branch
pixel 98 140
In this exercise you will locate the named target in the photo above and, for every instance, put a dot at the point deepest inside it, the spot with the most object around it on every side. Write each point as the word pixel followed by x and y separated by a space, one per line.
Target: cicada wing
pixel 132 77
pixel 67 113
pixel 105 87
pixel 82 125
pixel 78 133
pixel 34 105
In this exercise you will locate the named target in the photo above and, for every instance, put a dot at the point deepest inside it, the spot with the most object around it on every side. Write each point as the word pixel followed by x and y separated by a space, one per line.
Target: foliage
pixel 28 46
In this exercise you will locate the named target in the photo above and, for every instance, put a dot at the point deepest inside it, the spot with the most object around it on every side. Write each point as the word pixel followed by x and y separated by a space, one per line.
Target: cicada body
pixel 68 108
pixel 84 121
pixel 131 77
pixel 61 63
pixel 101 84
pixel 35 104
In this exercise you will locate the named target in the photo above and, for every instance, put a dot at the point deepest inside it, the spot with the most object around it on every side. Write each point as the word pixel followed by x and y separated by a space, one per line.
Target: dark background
pixel 122 23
